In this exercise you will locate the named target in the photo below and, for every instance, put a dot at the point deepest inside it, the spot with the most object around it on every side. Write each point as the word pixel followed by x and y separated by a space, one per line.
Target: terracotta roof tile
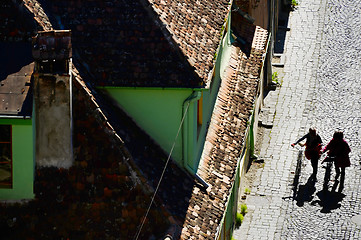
pixel 224 141
pixel 129 44
pixel 15 25
pixel 39 15
pixel 120 43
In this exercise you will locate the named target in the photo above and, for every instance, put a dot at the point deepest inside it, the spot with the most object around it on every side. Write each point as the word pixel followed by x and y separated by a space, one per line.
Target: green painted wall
pixel 23 160
pixel 210 96
pixel 157 111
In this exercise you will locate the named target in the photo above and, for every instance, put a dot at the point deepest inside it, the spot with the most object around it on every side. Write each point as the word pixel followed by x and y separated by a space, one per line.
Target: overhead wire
pixel 162 175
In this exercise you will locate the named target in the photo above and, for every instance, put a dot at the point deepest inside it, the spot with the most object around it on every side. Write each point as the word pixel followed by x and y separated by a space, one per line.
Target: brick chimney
pixel 52 52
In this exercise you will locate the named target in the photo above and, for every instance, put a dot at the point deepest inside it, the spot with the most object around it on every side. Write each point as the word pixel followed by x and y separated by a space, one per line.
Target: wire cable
pixel 162 175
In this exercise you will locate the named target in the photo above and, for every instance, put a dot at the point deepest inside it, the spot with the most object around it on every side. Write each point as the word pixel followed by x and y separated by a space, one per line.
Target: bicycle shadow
pixel 305 192
pixel 302 193
pixel 329 200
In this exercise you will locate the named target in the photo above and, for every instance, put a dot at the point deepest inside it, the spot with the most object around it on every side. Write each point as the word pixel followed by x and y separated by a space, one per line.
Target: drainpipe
pixel 195 96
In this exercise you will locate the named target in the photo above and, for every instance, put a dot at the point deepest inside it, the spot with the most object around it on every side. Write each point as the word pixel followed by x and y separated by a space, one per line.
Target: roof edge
pixel 174 43
pixel 34 7
pixel 210 74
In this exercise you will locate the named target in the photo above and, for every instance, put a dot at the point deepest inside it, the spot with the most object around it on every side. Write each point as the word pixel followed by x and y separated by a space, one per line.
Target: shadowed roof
pixel 143 44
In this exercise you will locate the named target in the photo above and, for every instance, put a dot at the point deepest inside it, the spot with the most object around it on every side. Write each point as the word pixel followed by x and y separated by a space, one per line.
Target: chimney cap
pixel 52 45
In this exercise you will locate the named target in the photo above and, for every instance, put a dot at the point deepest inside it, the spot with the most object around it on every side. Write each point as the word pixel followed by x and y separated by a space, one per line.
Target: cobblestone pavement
pixel 321 87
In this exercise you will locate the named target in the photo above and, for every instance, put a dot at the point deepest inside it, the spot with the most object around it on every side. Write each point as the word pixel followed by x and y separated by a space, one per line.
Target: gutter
pixel 147 88
pixel 15 117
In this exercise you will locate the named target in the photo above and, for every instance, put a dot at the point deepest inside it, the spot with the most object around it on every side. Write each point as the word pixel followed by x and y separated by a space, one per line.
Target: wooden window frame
pixel 10 184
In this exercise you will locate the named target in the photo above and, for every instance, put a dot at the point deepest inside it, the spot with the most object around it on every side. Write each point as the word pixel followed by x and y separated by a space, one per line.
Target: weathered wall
pixel 52 97
pixel 259 11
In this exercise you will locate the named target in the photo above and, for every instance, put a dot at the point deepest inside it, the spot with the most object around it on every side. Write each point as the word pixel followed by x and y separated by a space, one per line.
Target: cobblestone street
pixel 321 87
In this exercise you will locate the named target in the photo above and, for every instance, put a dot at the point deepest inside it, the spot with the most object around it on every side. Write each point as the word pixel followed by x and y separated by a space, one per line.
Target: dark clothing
pixel 313 149
pixel 311 141
pixel 339 149
pixel 313 145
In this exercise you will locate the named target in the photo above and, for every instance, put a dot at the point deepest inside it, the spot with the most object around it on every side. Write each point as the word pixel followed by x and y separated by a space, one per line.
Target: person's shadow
pixel 305 192
pixel 329 200
pixel 301 193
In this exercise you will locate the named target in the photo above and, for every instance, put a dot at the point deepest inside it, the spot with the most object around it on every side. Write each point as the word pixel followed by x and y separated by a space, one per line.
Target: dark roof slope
pixel 102 196
pixel 133 43
pixel 16 24
pixel 119 44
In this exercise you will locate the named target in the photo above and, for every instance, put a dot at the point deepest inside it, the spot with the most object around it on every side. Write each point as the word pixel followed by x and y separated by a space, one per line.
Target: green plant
pixel 294 3
pixel 243 209
pixel 247 191
pixel 275 78
pixel 239 219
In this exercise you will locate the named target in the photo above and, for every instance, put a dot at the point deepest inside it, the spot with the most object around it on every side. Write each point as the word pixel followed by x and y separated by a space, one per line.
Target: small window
pixel 6 163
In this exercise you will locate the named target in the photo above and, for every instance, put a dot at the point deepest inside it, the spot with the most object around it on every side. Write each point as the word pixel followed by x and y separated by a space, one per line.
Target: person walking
pixel 338 150
pixel 313 148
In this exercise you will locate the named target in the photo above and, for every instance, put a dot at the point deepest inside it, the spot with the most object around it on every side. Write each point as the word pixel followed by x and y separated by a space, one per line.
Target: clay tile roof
pixel 225 140
pixel 260 39
pixel 39 15
pixel 143 44
pixel 196 26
